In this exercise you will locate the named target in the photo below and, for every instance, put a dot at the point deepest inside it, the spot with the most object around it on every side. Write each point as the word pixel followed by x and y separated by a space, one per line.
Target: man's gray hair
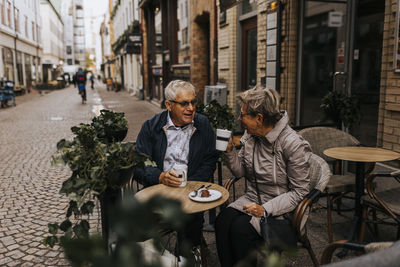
pixel 176 86
pixel 261 100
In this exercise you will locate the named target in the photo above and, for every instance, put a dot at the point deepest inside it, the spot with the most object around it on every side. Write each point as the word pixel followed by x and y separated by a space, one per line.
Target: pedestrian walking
pixel 92 81
pixel 81 82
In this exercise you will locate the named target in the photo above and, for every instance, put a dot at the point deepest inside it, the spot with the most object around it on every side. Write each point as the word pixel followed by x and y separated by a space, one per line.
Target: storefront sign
pixel 335 19
pixel 134 44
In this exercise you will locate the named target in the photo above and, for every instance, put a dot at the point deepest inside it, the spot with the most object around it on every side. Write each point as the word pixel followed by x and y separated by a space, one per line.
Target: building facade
pixel 53 41
pixel 127 45
pixel 306 48
pixel 20 42
pixel 179 42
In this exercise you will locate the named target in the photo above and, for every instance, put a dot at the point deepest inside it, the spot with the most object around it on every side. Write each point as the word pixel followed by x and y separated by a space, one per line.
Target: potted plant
pixel 100 165
pixel 221 119
pixel 341 109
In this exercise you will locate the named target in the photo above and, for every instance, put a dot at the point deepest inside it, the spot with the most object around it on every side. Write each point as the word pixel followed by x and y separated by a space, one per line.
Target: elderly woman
pixel 274 161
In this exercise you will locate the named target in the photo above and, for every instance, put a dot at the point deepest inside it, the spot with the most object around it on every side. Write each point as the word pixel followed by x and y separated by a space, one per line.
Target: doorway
pixel 330 31
pixel 323 56
pixel 249 54
pixel 367 68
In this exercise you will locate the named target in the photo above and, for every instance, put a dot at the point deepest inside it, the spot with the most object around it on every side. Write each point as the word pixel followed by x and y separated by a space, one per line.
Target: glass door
pixel 323 56
pixel 367 63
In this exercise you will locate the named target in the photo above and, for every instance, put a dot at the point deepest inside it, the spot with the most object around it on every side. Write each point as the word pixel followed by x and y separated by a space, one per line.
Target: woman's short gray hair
pixel 261 100
pixel 176 86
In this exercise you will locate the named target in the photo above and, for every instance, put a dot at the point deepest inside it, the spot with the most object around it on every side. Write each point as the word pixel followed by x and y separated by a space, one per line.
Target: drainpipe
pixel 15 48
pixel 37 46
pixel 215 42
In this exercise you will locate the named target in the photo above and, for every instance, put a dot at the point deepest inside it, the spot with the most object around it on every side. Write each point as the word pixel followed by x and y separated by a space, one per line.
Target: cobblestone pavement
pixel 29 185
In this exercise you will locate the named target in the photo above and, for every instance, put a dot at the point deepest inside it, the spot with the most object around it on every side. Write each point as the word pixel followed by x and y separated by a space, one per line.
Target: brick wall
pixel 144 54
pixel 202 23
pixel 289 47
pixel 389 106
pixel 227 54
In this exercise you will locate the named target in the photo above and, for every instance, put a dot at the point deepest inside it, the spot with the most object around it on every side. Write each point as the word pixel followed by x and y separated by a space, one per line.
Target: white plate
pixel 214 195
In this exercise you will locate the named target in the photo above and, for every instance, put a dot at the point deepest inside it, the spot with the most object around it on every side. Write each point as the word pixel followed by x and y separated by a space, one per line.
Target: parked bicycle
pixel 7 93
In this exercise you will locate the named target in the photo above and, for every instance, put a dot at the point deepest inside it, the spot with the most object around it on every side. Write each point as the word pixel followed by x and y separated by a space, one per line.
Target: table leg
pixel 356 222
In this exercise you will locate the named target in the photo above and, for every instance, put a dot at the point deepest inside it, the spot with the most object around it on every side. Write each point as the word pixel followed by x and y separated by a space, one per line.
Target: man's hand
pixel 170 178
pixel 254 209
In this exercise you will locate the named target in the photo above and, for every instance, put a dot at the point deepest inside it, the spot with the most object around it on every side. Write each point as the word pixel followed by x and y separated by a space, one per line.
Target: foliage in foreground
pixel 133 222
pixel 98 162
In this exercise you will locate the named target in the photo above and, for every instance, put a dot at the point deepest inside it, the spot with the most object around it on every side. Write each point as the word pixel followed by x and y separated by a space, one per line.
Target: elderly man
pixel 178 135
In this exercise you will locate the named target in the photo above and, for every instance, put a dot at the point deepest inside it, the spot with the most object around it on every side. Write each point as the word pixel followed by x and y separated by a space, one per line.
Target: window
pixel 38 33
pixel 26 27
pixel 69 61
pixel 184 36
pixel 3 19
pixel 69 50
pixel 9 14
pixel 16 19
pixel 33 31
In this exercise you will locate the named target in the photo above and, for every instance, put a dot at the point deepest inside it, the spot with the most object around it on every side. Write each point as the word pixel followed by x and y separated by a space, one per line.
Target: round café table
pixel 182 194
pixel 360 155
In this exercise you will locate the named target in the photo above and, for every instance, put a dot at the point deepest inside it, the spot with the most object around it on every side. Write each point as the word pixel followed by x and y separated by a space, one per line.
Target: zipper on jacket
pixel 274 169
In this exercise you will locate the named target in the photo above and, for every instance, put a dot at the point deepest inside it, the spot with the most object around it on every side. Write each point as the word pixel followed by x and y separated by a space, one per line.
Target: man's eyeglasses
pixel 185 103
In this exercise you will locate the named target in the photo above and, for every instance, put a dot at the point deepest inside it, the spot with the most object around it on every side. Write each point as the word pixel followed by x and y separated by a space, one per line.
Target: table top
pixel 361 154
pixel 182 194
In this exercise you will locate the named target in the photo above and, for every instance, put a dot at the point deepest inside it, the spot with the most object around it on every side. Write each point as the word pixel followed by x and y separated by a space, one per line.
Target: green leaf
pixel 53 228
pixel 73 208
pixel 81 230
pixel 65 225
pixel 50 241
pixel 87 208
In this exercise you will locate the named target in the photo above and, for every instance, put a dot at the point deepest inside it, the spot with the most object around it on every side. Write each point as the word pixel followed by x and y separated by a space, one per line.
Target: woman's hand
pixel 170 178
pixel 254 209
pixel 230 145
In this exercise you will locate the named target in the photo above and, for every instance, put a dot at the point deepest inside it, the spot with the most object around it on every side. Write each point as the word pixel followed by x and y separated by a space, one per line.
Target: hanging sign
pixel 335 19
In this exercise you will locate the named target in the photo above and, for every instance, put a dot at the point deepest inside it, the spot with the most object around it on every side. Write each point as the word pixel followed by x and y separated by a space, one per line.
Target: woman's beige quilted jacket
pixel 280 166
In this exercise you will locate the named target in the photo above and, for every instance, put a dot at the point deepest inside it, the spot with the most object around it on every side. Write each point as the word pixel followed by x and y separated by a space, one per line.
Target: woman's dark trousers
pixel 235 237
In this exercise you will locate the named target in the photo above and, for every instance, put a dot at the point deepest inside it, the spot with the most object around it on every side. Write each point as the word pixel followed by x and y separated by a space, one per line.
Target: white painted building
pixel 53 41
pixel 79 34
pixel 128 63
pixel 183 12
pixel 105 40
pixel 20 41
pixel 74 36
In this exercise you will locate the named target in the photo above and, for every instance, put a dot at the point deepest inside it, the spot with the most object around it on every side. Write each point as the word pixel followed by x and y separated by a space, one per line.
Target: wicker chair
pixel 383 254
pixel 386 202
pixel 319 178
pixel 321 138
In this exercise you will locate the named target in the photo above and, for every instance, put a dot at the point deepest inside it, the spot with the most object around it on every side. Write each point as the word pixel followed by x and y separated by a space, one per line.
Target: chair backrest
pixel 321 138
pixel 320 173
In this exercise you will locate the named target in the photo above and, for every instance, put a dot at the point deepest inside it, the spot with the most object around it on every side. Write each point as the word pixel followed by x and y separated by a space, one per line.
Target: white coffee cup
pixel 181 170
pixel 222 139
